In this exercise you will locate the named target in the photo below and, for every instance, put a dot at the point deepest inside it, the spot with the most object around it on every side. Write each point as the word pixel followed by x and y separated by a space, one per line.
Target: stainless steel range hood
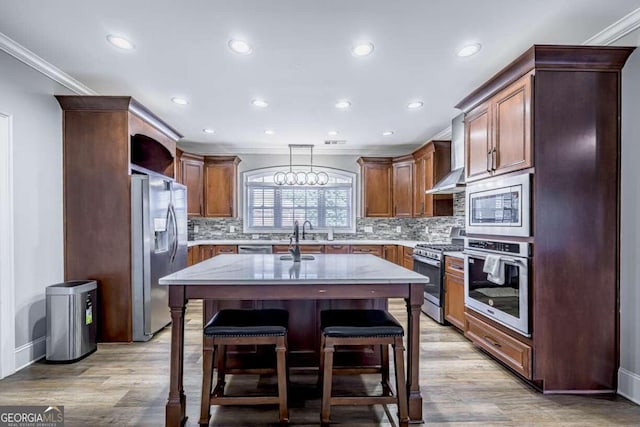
pixel 453 182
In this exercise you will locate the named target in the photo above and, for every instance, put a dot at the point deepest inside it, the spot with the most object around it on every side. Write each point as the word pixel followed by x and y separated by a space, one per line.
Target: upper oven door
pixel 432 269
pixel 507 303
pixel 499 206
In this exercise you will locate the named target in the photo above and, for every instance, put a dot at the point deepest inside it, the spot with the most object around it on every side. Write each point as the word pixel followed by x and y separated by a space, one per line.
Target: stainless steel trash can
pixel 71 320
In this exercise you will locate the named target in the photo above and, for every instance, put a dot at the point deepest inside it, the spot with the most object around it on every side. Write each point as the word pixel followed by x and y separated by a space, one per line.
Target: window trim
pixel 272 169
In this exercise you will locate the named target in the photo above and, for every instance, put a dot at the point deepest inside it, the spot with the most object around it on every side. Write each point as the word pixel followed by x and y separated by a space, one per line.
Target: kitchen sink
pixel 302 257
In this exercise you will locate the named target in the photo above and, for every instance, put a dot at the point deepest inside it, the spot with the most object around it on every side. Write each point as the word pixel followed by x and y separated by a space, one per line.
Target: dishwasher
pixel 254 249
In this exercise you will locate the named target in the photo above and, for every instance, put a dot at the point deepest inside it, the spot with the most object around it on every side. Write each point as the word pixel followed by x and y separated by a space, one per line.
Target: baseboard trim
pixel 629 385
pixel 30 352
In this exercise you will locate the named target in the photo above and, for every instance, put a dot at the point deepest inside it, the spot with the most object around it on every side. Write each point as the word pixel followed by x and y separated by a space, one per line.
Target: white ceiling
pixel 301 61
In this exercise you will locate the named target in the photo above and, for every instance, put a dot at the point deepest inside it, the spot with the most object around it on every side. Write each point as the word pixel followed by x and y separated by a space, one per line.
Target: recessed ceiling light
pixel 415 105
pixel 270 132
pixel 208 130
pixel 362 49
pixel 120 42
pixel 342 105
pixel 469 49
pixel 387 133
pixel 332 133
pixel 240 47
pixel 260 103
pixel 179 101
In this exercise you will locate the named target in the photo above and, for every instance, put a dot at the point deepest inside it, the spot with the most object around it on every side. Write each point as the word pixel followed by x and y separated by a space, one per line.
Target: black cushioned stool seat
pixel 248 323
pixel 365 328
pixel 243 327
pixel 359 323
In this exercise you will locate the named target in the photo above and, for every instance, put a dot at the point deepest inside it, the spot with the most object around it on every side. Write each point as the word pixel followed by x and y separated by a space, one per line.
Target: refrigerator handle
pixel 174 222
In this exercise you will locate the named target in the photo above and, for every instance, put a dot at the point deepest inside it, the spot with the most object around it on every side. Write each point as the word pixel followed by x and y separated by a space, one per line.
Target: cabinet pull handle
pixel 422 208
pixel 494 157
pixel 489 158
pixel 492 342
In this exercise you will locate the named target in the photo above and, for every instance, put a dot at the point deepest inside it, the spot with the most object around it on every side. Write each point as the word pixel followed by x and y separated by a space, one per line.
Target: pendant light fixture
pixel 300 177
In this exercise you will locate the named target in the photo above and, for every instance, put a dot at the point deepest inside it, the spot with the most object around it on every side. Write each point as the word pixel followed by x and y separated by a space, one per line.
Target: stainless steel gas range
pixel 428 260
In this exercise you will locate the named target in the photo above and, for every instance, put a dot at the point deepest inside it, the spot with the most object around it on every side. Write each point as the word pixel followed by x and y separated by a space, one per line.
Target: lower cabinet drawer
pixel 510 351
pixel 367 249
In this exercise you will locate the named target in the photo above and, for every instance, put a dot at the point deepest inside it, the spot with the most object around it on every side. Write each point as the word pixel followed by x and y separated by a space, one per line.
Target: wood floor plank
pixel 127 385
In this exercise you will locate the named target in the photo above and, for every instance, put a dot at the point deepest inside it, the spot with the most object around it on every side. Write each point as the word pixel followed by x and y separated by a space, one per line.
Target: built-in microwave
pixel 500 206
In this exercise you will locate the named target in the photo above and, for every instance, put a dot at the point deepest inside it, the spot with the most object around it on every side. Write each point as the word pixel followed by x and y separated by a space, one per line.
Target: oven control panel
pixel 514 248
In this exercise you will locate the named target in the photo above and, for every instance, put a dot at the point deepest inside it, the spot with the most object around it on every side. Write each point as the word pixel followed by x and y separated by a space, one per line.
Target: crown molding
pixel 29 58
pixel 617 30
pixel 443 134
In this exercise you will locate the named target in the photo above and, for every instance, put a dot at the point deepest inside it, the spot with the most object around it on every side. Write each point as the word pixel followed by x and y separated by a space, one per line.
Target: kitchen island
pixel 266 277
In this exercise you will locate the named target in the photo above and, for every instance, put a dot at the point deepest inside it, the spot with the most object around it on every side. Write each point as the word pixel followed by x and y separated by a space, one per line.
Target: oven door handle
pixel 512 260
pixel 426 260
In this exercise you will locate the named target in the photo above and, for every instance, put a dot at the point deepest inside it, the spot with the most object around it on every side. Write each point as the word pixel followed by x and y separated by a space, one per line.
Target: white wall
pixel 27 96
pixel 629 373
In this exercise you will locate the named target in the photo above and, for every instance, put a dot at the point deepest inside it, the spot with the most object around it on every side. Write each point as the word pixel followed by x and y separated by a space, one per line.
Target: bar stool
pixel 362 327
pixel 244 327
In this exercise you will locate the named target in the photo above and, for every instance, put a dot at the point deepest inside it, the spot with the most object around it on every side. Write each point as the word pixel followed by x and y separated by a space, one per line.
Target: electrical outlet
pixel 368 229
pixel 232 229
pixel 196 228
pixel 426 229
pixel 398 229
pixel 255 236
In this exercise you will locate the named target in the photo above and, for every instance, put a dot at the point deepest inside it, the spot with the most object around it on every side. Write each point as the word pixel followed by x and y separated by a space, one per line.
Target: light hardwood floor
pixel 127 384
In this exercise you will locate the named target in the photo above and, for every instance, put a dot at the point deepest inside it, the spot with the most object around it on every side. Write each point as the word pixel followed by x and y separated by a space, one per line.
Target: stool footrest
pixel 368 400
pixel 245 400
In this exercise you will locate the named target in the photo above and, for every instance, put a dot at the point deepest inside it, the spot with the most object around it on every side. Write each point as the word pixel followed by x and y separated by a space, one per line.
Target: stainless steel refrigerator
pixel 159 247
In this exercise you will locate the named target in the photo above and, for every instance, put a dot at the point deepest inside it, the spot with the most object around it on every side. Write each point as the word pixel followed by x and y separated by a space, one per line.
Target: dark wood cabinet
pixel 403 187
pixel 546 122
pixel 304 249
pixel 432 163
pixel 220 175
pixel 193 255
pixel 407 257
pixel 104 139
pixel 191 174
pixel 225 249
pixel 207 251
pixel 367 249
pixel 336 249
pixel 377 186
pixel 390 253
pixel 514 353
pixel 498 132
pixel 454 291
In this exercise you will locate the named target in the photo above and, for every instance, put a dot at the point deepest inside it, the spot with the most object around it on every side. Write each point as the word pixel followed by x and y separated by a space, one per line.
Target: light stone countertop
pixel 267 269
pixel 407 243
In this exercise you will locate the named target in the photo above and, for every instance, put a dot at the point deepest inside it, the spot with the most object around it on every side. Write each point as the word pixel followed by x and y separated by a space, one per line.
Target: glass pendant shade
pixel 312 178
pixel 290 178
pixel 279 178
pixel 323 178
pixel 301 178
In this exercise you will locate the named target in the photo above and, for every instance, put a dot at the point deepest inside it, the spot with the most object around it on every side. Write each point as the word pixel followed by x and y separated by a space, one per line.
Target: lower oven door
pixel 430 268
pixel 508 303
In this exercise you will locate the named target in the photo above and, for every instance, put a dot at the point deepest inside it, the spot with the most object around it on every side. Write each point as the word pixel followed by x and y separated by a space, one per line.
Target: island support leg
pixel 414 303
pixel 176 404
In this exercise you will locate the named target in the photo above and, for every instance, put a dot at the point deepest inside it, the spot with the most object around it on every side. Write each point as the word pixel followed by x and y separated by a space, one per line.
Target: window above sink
pixel 269 207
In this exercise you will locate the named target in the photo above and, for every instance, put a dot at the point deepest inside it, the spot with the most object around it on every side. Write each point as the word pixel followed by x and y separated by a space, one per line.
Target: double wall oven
pixel 506 300
pixel 497 268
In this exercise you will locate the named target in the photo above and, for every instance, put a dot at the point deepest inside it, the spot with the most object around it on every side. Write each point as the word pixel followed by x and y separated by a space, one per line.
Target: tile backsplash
pixel 434 230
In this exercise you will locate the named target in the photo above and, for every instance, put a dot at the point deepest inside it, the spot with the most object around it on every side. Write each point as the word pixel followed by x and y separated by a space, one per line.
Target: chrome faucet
pixel 294 250
pixel 304 224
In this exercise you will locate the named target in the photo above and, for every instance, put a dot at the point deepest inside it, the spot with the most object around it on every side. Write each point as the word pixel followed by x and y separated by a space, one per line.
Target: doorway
pixel 7 291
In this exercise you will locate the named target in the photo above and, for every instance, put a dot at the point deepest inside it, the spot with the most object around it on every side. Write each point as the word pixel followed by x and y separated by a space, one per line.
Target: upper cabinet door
pixel 403 189
pixel 377 187
pixel 220 186
pixel 512 128
pixel 191 175
pixel 478 144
